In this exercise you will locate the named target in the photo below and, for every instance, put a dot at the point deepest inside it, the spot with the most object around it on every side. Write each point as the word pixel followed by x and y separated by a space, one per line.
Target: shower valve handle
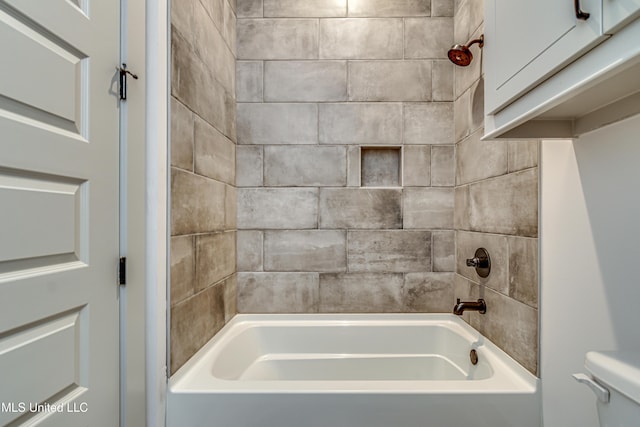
pixel 477 262
pixel 481 262
pixel 579 13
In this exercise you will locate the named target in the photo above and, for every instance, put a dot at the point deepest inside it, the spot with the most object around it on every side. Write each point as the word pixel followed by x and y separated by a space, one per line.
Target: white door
pixel 59 212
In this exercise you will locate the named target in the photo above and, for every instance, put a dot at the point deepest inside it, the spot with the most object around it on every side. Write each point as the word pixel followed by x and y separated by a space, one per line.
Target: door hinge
pixel 123 81
pixel 122 271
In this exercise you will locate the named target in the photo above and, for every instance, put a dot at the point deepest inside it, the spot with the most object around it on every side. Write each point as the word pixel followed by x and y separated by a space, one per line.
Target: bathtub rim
pixel 509 376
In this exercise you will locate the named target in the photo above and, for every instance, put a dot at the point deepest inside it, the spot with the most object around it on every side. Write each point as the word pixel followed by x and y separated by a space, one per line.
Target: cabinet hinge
pixel 122 271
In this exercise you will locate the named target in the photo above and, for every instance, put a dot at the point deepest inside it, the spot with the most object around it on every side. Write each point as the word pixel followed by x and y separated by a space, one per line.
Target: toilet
pixel 615 380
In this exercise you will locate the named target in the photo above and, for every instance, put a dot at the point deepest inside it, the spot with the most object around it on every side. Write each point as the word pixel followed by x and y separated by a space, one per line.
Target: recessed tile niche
pixel 380 167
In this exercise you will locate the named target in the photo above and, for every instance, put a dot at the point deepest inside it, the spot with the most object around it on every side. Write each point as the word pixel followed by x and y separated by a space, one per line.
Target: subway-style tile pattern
pixel 203 173
pixel 273 103
pixel 495 207
pixel 345 159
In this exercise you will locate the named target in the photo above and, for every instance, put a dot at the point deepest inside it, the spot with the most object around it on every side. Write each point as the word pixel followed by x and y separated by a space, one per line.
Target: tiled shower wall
pixel 345 156
pixel 203 193
pixel 496 207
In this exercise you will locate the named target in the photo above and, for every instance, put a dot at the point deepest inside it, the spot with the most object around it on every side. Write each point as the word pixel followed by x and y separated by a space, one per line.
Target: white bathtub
pixel 368 370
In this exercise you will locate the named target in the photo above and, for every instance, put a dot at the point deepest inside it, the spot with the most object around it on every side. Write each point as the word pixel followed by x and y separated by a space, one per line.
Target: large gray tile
pixel 360 208
pixel 522 155
pixel 197 204
pixel 477 17
pixel 393 251
pixel 523 270
pixel 305 166
pixel 390 81
pixel 215 9
pixel 462 116
pixel 211 47
pixel 193 322
pixel 189 77
pixel 182 268
pixel 278 292
pixel 442 7
pixel 249 160
pixel 249 8
pixel 428 292
pixel 428 123
pixel 277 208
pixel 477 160
pixel 512 326
pixel 306 250
pixel 462 18
pixel 230 207
pixel 428 38
pixel 477 105
pixel 305 81
pixel 353 166
pixel 361 293
pixel 426 207
pixel 357 38
pixel 215 258
pixel 461 212
pixel 305 9
pixel 182 17
pixel 444 250
pixel 496 245
pixel 229 27
pixel 277 123
pixel 507 204
pixel 215 154
pixel 230 297
pixel 181 136
pixel 443 166
pixel 249 81
pixel 277 39
pixel 389 7
pixel 250 253
pixel 417 165
pixel 360 123
pixel 442 81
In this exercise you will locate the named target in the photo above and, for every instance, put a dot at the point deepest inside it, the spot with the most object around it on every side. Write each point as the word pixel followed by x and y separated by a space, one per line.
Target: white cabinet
pixel 527 40
pixel 552 73
pixel 618 13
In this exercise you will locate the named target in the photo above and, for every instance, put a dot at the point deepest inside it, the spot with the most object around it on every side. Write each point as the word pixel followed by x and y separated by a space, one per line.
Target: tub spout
pixel 461 306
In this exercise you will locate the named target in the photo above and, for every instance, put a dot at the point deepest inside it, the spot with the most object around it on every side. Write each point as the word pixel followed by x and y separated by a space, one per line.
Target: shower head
pixel 461 55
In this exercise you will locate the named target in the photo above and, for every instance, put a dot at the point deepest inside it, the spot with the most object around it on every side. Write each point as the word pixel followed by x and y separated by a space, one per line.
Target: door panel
pixel 48 208
pixel 59 212
pixel 27 354
pixel 41 74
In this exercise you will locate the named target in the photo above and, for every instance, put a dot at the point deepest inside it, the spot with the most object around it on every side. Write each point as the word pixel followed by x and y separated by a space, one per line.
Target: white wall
pixel 590 232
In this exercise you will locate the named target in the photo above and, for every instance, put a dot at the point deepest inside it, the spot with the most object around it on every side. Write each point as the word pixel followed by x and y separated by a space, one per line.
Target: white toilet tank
pixel 617 386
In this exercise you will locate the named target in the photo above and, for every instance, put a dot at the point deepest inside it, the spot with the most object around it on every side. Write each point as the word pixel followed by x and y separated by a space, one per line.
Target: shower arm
pixel 479 41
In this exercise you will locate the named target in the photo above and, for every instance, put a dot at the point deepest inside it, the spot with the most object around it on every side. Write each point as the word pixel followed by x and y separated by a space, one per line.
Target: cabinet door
pixel 617 13
pixel 527 40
